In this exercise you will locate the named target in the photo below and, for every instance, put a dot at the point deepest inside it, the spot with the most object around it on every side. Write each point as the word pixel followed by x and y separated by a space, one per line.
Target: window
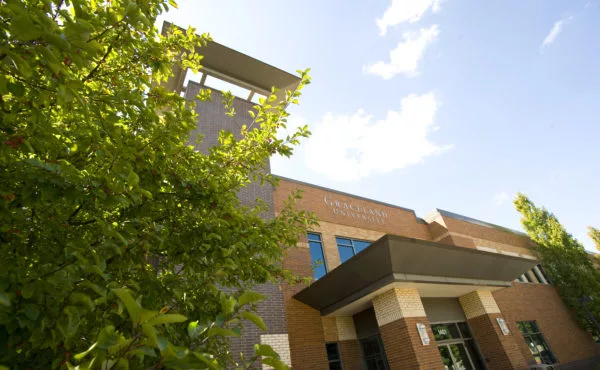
pixel 544 274
pixel 456 346
pixel 535 341
pixel 373 353
pixel 349 247
pixel 333 355
pixel 538 275
pixel 316 255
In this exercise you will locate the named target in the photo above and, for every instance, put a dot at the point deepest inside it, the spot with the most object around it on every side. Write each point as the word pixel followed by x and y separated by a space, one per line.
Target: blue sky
pixel 431 104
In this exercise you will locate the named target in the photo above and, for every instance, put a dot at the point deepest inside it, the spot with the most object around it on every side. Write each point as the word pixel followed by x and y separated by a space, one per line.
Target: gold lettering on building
pixel 356 211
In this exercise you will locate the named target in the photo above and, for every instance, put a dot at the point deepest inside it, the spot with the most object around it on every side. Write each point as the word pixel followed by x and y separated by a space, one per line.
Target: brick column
pixel 341 329
pixel 398 311
pixel 500 351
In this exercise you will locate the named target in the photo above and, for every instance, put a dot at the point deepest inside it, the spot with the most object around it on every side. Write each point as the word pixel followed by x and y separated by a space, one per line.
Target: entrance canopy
pixel 435 269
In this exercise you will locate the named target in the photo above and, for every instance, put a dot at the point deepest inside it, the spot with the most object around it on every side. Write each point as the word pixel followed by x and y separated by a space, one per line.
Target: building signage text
pixel 355 211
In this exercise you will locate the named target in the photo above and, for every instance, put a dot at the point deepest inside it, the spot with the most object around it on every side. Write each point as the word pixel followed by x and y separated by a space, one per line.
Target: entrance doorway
pixel 457 347
pixel 373 353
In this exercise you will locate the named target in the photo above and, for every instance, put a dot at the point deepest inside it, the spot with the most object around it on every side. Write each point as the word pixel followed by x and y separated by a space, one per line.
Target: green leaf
pixel 265 350
pixel 167 319
pixel 195 329
pixel 4 300
pixel 227 305
pixel 250 297
pixel 81 355
pixel 275 363
pixel 150 333
pixel 109 337
pixel 82 300
pixel 133 308
pixel 254 318
pixel 217 331
pixel 173 3
pixel 32 311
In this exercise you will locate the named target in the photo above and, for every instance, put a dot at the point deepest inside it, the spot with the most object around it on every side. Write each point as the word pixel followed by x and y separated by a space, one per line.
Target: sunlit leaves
pixel 572 270
pixel 118 239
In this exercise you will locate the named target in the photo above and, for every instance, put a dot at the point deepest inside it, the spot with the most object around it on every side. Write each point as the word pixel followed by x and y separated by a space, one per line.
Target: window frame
pixel 320 242
pixel 350 245
pixel 339 354
pixel 528 337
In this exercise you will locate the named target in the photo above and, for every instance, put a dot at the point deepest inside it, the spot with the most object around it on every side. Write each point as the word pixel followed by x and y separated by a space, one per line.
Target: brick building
pixel 391 290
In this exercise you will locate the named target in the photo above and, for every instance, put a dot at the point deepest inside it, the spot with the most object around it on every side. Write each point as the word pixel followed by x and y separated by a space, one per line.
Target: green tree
pixel 118 239
pixel 565 260
pixel 595 236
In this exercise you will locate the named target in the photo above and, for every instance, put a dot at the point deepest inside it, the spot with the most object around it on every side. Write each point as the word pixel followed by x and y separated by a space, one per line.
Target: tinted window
pixel 333 355
pixel 316 255
pixel 347 247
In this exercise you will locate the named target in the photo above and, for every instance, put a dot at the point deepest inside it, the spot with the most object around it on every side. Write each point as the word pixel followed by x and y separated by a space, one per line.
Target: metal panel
pixel 399 259
pixel 443 310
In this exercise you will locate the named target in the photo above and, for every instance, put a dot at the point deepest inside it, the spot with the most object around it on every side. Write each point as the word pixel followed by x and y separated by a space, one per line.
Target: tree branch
pixel 93 71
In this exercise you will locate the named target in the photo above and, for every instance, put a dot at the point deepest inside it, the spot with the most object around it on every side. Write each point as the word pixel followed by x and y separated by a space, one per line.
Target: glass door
pixel 456 346
pixel 373 353
pixel 455 357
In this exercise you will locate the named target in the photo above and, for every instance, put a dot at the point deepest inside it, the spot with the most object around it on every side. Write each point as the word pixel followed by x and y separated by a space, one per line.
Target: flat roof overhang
pixel 232 66
pixel 437 270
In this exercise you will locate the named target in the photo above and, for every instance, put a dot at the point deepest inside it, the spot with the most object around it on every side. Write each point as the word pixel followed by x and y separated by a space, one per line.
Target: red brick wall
pixel 484 232
pixel 399 221
pixel 403 346
pixel 305 329
pixel 525 302
pixel 500 351
pixel 351 355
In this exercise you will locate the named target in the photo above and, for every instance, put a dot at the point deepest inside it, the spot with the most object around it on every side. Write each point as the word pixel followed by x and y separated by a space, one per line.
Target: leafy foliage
pixel 566 261
pixel 118 241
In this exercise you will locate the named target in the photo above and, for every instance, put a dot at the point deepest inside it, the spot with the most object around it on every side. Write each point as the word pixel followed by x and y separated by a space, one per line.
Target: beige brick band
pixel 345 328
pixel 396 304
pixel 478 303
pixel 281 345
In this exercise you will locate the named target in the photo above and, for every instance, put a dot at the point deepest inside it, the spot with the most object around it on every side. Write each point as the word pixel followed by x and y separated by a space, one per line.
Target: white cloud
pixel 406 56
pixel 557 28
pixel 352 147
pixel 401 11
pixel 500 199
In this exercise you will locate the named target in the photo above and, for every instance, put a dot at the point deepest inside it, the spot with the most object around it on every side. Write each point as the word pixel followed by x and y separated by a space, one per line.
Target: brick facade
pixel 403 346
pixel 500 351
pixel 525 302
pixel 308 331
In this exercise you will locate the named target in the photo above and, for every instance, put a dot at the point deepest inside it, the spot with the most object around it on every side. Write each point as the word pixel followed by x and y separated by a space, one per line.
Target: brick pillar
pixel 398 311
pixel 500 351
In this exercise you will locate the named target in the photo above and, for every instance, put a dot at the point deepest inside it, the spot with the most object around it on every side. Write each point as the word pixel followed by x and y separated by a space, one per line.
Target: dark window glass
pixel 474 354
pixel 461 359
pixel 528 277
pixel 333 355
pixel 349 247
pixel 538 276
pixel 446 358
pixel 316 255
pixel 544 273
pixel 373 353
pixel 535 341
pixel 445 331
pixel 464 330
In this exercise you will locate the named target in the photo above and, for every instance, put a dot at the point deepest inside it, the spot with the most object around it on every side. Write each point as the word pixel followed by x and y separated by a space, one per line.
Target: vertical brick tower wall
pixel 211 120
